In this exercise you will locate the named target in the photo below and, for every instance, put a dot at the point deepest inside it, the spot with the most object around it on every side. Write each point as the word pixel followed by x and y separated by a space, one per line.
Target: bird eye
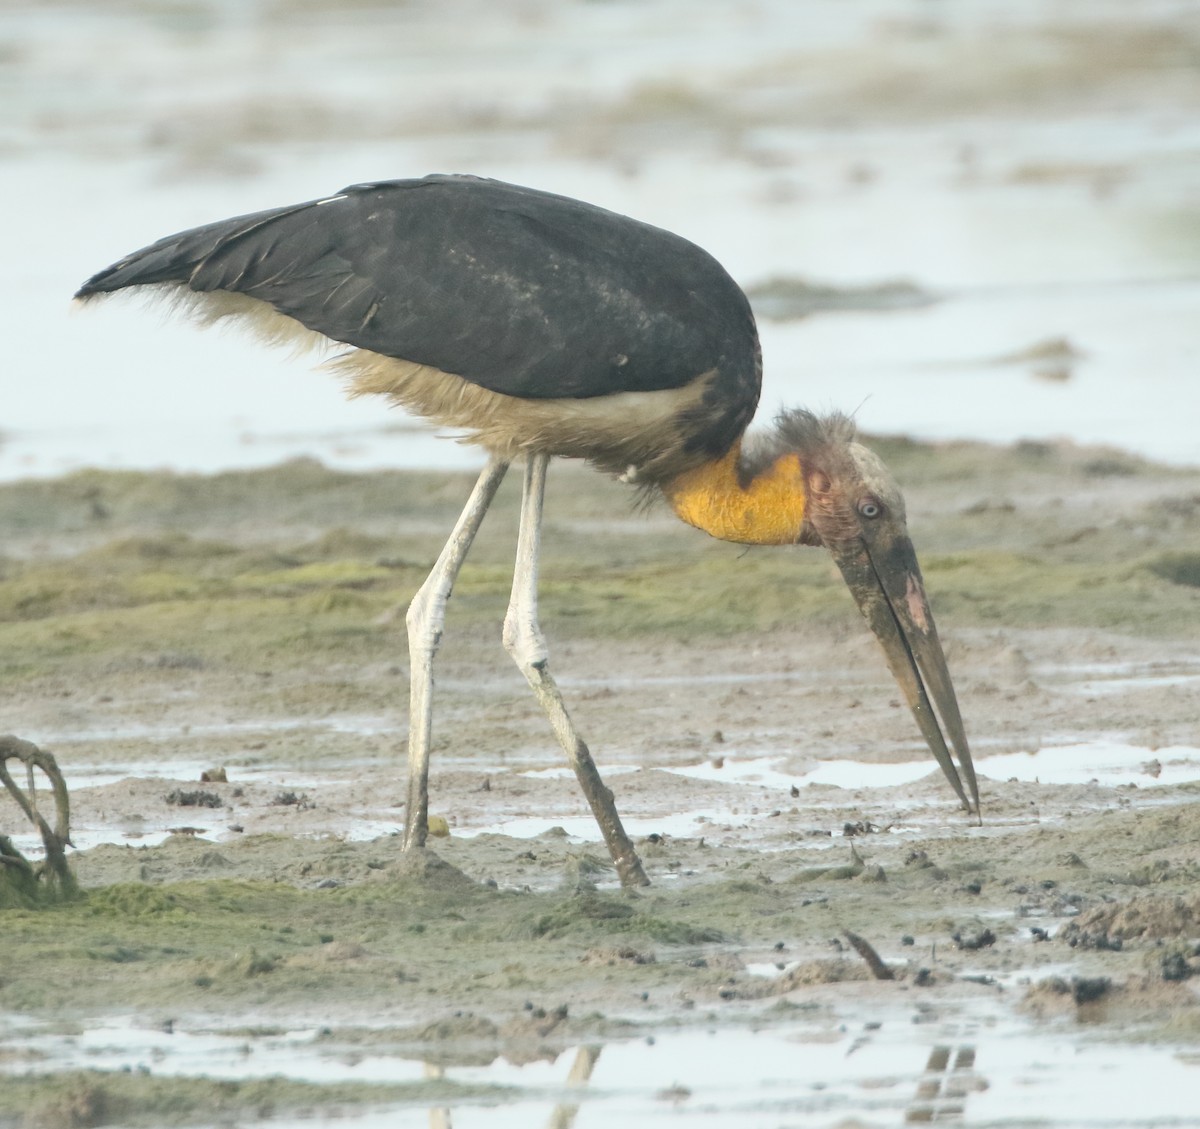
pixel 869 508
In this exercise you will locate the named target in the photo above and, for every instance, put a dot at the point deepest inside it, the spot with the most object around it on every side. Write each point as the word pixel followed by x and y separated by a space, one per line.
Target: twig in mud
pixel 874 961
pixel 55 839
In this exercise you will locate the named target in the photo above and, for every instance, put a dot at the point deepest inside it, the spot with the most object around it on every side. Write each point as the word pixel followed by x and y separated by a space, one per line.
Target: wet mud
pixel 161 628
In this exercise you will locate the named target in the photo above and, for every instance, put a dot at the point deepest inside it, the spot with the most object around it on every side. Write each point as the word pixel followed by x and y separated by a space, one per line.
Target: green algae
pixel 105 568
pixel 93 1098
pixel 195 942
pixel 1178 568
pixel 410 932
pixel 600 918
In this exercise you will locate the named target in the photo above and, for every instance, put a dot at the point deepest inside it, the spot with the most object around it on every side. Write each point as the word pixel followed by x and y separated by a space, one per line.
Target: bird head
pixel 855 509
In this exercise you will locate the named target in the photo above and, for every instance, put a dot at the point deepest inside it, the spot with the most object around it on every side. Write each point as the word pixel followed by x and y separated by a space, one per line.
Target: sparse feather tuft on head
pixel 800 431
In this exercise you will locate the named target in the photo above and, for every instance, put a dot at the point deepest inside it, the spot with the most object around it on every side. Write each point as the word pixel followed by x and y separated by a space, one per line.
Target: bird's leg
pixel 524 641
pixel 426 616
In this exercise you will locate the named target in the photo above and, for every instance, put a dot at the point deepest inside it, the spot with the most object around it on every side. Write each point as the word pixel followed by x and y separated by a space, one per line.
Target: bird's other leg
pixel 524 641
pixel 426 616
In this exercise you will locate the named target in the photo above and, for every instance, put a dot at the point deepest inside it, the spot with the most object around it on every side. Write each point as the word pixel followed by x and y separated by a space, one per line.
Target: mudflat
pixel 153 626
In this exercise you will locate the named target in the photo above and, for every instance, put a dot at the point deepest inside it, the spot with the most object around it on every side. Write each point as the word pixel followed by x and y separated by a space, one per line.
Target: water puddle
pixel 680 825
pixel 1109 764
pixel 85 734
pixel 1089 762
pixel 768 785
pixel 1097 679
pixel 767 781
pixel 902 1064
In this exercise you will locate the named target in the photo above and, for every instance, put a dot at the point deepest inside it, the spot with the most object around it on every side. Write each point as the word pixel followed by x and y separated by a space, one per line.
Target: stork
pixel 543 326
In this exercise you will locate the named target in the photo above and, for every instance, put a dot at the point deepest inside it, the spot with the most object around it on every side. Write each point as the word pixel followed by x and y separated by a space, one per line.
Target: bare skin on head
pixel 808 482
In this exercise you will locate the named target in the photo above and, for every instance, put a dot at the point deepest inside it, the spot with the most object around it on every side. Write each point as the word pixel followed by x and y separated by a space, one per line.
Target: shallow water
pixel 905 1062
pixel 1110 761
pixel 1074 221
pixel 1108 764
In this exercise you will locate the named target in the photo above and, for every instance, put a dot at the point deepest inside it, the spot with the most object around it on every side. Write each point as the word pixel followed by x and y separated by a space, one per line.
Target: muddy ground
pixel 153 624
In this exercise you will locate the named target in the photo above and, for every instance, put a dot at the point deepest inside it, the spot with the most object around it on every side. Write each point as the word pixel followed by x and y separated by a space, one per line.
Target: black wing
pixel 520 291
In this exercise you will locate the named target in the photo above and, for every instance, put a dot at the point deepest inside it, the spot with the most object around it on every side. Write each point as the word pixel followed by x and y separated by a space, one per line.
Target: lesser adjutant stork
pixel 545 326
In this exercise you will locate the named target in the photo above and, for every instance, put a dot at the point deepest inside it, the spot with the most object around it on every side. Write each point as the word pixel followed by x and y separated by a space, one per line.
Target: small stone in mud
pixel 1088 989
pixel 1176 966
pixel 1080 938
pixel 193 799
pixel 291 799
pixel 977 939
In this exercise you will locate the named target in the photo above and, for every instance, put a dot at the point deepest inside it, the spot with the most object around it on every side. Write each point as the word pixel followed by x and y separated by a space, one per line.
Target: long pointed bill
pixel 886 582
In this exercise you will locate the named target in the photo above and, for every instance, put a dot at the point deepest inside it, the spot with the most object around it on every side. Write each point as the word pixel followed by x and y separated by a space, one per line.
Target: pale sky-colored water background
pixel 1036 164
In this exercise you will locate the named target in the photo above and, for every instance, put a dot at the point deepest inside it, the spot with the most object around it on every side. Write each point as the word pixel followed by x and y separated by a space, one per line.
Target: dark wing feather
pixel 520 291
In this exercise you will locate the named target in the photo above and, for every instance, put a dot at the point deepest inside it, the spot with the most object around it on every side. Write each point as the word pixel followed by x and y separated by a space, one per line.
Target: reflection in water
pixel 872 1062
pixel 942 1092
pixel 563 1115
pixel 439 1116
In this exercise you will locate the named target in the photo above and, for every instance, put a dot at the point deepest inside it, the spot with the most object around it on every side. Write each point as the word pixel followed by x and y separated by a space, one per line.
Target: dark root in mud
pixel 21 881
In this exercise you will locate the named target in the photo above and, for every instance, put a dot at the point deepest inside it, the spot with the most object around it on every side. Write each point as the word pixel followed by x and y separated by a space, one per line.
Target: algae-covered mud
pixel 256 945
